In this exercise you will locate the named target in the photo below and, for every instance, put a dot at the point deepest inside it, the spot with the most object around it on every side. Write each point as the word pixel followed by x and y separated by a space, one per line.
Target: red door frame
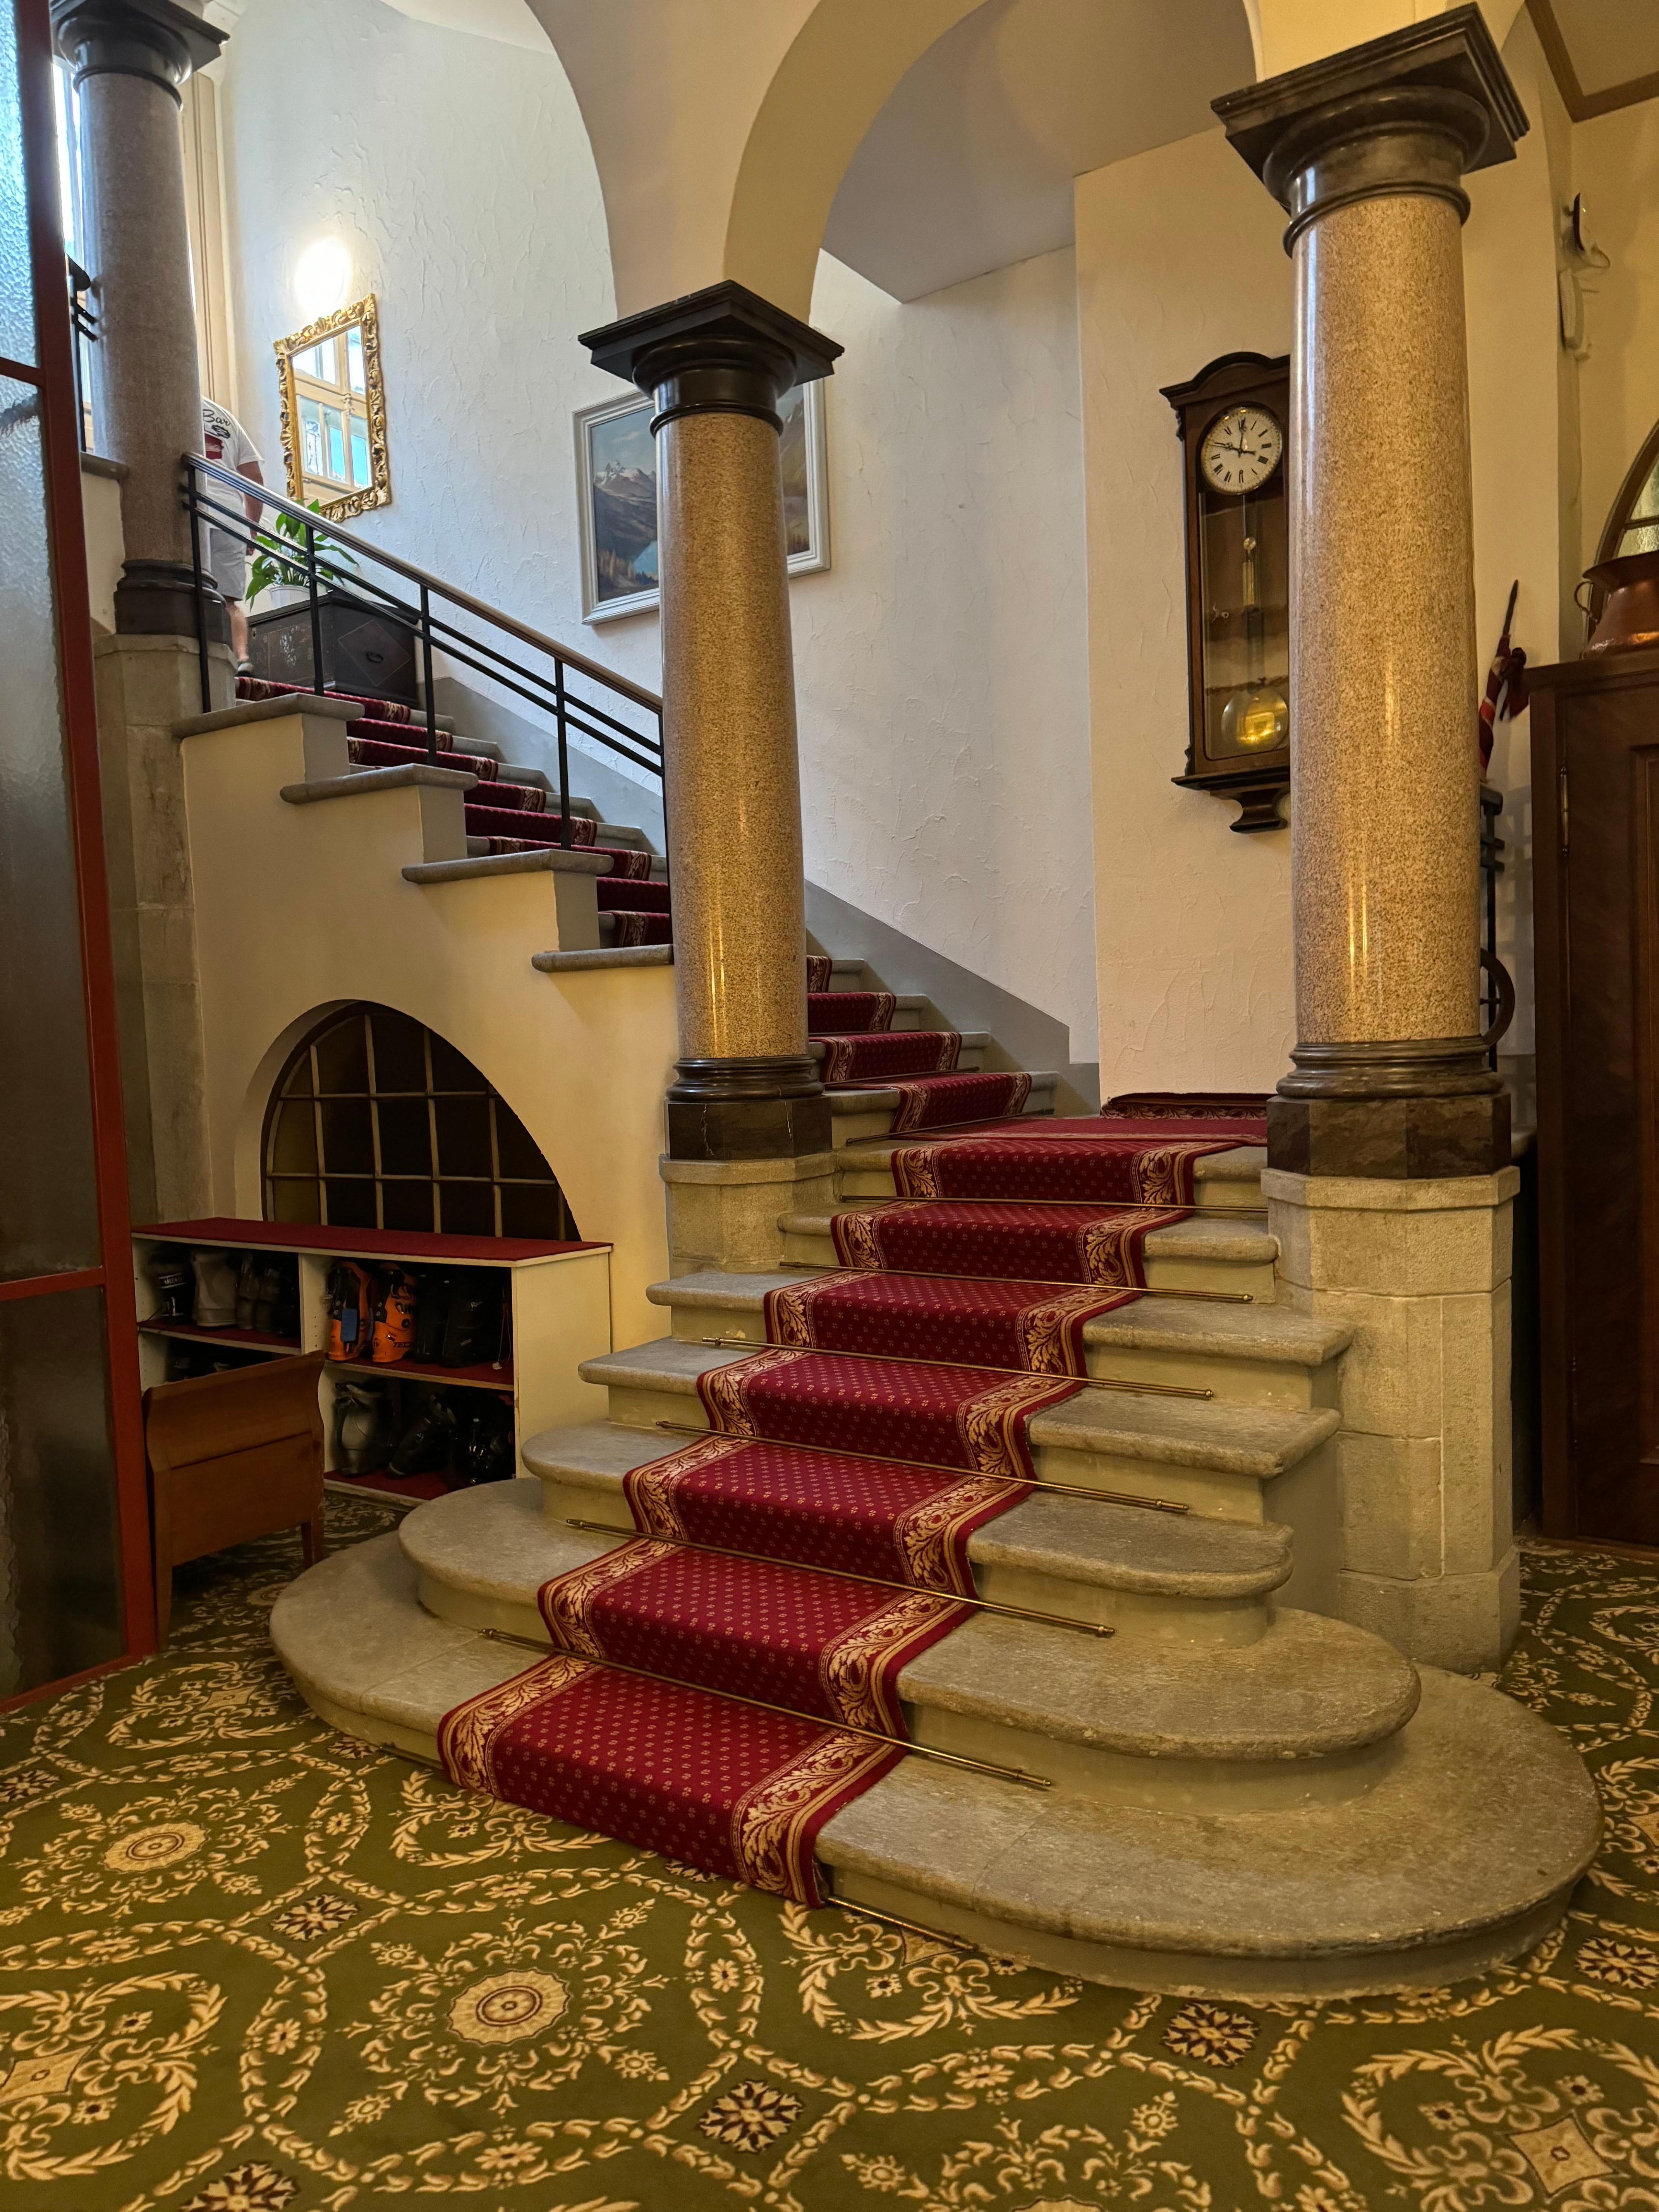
pixel 54 379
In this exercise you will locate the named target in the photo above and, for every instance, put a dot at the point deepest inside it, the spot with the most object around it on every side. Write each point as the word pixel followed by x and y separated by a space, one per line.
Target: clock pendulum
pixel 1258 715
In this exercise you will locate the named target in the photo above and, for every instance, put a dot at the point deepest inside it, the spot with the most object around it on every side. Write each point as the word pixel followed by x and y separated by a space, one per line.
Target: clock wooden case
pixel 1233 422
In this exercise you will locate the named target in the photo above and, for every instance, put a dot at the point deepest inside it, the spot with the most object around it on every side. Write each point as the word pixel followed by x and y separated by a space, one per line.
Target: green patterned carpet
pixel 245 1966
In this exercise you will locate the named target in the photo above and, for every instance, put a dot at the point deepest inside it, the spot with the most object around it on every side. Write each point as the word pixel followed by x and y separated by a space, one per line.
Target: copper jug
pixel 1630 615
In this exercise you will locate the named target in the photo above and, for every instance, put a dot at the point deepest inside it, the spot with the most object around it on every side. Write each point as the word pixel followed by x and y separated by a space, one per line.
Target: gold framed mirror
pixel 333 409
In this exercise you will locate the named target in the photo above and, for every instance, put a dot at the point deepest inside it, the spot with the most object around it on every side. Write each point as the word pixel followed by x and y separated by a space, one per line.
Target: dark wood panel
pixel 1596 757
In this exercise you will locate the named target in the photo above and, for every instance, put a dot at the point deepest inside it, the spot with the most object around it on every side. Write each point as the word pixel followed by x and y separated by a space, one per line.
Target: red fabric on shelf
pixel 818 1643
pixel 837 1013
pixel 890 1052
pixel 1122 1171
pixel 826 1509
pixel 740 1793
pixel 999 1323
pixel 1031 1244
pixel 949 1416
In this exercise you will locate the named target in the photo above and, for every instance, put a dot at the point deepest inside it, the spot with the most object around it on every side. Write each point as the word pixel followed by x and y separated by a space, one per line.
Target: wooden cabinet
pixel 558 1300
pixel 1596 851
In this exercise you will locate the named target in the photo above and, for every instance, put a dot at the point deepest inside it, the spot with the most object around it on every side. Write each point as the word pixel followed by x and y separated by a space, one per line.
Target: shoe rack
pixel 558 1300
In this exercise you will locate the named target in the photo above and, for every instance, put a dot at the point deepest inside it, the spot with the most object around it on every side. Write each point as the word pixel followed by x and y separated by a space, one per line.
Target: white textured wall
pixel 1178 260
pixel 942 662
pixel 457 172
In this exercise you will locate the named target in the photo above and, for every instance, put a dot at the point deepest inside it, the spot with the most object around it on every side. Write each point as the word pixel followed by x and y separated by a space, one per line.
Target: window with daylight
pixel 377 1122
pixel 330 388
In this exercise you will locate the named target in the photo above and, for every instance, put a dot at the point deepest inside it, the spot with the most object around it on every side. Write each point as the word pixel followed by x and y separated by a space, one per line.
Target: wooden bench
pixel 233 1457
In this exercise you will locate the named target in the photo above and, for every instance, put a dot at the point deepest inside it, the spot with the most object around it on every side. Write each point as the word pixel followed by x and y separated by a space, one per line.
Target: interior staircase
pixel 1245 1795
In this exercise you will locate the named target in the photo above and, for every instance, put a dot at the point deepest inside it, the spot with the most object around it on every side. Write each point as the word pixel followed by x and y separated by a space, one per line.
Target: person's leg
pixel 238 614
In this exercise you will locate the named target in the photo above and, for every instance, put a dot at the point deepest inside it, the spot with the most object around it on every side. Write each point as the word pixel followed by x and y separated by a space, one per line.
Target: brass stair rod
pixel 789 1712
pixel 910 1360
pixel 1102 1205
pixel 1045 1282
pixel 844 1575
pixel 932 1466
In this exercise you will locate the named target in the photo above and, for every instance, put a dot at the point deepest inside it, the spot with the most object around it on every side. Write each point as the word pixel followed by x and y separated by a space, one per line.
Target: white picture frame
pixel 614 446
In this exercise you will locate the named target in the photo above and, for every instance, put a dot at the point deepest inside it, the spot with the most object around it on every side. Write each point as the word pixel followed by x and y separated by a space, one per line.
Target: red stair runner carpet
pixel 826 1509
pixel 1058 1243
pixel 1123 1171
pixel 740 1793
pixel 835 1013
pixel 993 1324
pixel 873 1053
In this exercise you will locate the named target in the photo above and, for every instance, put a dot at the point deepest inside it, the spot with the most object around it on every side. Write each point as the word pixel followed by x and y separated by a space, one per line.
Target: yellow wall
pixel 301 908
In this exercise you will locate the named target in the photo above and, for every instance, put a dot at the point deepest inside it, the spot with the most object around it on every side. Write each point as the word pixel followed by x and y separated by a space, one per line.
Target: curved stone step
pixel 1301 1713
pixel 1219 1179
pixel 1247 1463
pixel 1177 1577
pixel 1461 1855
pixel 1194 1255
pixel 1249 1355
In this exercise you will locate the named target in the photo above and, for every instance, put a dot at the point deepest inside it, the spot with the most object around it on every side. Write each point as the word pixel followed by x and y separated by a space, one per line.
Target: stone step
pixel 969 1059
pixel 1301 1712
pixel 1221 1180
pixel 1244 1464
pixel 1462 1855
pixel 1191 1254
pixel 857 1115
pixel 1180 1578
pixel 1249 1355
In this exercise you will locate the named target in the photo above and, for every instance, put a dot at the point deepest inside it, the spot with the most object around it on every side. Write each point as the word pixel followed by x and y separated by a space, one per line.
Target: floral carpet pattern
pixel 247 1965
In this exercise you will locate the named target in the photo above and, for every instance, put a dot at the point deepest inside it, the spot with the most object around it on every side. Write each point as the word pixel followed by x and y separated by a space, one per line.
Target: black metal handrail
pixel 344 585
pixel 83 321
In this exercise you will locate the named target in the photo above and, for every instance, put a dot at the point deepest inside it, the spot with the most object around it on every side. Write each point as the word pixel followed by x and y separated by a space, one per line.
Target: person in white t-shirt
pixel 225 441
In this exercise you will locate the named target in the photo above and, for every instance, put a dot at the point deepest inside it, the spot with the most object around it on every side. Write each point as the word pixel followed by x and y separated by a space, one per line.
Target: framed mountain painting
pixel 616 499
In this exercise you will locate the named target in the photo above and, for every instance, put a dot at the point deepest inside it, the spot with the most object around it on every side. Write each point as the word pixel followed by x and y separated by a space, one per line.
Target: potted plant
pixel 284 581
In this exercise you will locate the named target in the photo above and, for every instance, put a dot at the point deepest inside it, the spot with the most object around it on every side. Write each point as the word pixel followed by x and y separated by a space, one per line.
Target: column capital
pixel 720 351
pixel 1414 111
pixel 156 39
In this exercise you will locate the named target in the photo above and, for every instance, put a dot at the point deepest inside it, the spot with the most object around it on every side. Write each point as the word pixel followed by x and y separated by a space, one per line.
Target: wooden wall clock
pixel 1232 421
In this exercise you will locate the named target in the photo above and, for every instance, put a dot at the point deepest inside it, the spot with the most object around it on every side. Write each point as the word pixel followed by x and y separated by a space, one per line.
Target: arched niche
pixel 376 1121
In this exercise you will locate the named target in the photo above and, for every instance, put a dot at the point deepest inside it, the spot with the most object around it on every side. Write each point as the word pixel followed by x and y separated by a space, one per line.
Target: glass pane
pixel 310 437
pixel 407 1205
pixel 334 424
pixel 343 1058
pixel 348 1137
pixel 350 1204
pixel 16 290
pixel 361 472
pixel 468 1208
pixel 60 1594
pixel 399 1052
pixel 293 1200
pixel 405 1136
pixel 535 1209
pixel 516 1150
pixel 293 1141
pixel 355 376
pixel 450 1071
pixel 48 1210
pixel 463 1136
pixel 299 1081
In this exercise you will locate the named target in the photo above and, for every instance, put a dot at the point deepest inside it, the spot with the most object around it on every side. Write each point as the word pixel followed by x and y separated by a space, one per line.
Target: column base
pixel 1467 1623
pixel 765 1108
pixel 724 1214
pixel 1395 1138
pixel 157 599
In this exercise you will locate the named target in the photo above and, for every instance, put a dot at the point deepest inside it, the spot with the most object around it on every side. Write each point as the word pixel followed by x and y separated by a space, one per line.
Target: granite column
pixel 1388 1176
pixel 716 364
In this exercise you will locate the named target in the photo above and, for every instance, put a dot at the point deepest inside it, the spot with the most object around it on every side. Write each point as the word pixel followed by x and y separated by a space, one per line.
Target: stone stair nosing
pixel 1177 1578
pixel 1303 1711
pixel 1245 1463
pixel 1254 1355
pixel 1190 1255
pixel 1461 1856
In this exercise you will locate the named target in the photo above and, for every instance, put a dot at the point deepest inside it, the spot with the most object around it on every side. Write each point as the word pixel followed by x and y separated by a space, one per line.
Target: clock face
pixel 1241 450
